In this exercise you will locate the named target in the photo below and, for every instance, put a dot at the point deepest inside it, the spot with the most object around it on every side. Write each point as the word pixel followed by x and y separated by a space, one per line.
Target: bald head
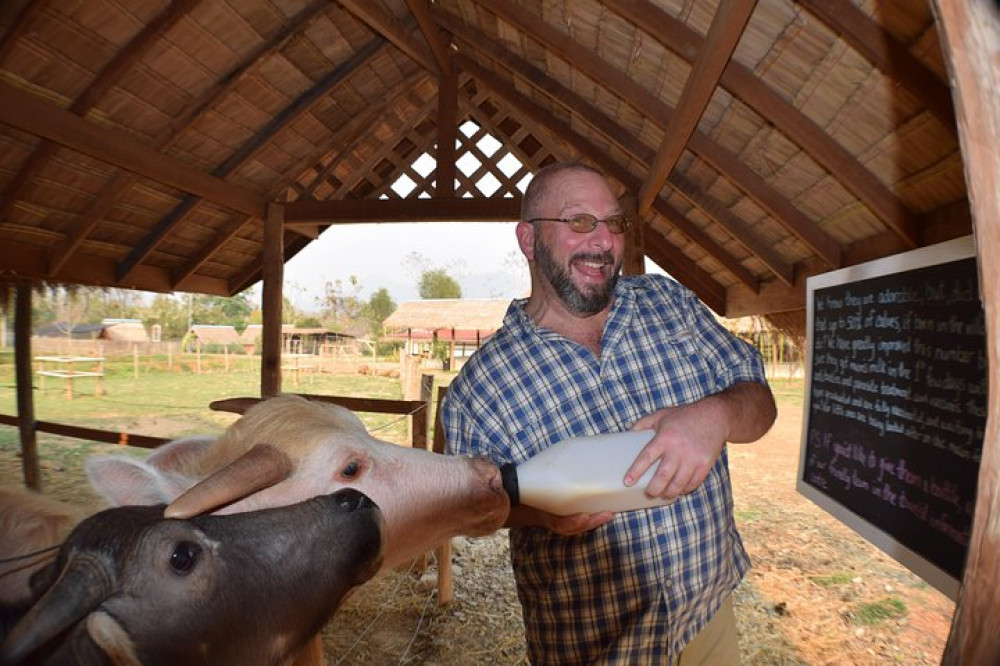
pixel 540 185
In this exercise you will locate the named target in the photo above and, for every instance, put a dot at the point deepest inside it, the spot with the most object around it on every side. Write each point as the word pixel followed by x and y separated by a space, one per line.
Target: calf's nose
pixel 350 499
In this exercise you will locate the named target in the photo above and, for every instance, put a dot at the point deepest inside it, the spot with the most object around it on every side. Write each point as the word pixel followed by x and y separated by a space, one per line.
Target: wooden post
pixel 25 398
pixel 274 275
pixel 970 39
pixel 421 419
pixel 446 586
pixel 447 121
pixel 634 259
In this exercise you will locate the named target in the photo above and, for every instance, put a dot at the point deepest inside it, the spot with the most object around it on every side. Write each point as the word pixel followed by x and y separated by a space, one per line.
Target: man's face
pixel 582 268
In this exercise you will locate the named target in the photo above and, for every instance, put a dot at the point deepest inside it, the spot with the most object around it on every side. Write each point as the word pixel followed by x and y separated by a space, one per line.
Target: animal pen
pixel 197 147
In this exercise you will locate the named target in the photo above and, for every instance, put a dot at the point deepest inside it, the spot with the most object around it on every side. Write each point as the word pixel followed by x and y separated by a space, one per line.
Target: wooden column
pixel 447 127
pixel 25 396
pixel 970 39
pixel 271 303
pixel 634 259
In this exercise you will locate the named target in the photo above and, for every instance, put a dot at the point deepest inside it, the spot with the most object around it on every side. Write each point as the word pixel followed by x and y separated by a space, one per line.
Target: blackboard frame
pixel 950 251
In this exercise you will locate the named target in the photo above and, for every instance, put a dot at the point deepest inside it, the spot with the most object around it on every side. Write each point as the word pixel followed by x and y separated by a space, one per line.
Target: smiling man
pixel 590 352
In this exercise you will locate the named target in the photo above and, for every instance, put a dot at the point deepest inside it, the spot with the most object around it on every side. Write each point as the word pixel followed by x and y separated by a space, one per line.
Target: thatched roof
pixel 482 315
pixel 127 330
pixel 141 143
pixel 214 334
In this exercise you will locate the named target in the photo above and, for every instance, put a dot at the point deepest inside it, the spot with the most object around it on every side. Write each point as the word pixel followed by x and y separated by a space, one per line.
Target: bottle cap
pixel 508 477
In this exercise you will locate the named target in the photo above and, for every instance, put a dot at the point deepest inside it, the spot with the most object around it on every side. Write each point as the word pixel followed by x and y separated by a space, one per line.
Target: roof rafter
pixel 293 111
pixel 727 27
pixel 35 116
pixel 690 274
pixel 432 35
pixel 887 53
pixel 82 228
pixel 373 14
pixel 340 211
pixel 123 61
pixel 811 138
pixel 616 134
pixel 650 105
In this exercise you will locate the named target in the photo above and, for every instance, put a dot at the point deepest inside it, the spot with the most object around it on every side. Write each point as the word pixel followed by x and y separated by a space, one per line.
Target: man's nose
pixel 601 237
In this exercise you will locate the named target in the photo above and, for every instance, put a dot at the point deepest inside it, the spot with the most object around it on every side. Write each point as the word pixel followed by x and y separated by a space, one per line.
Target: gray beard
pixel 576 300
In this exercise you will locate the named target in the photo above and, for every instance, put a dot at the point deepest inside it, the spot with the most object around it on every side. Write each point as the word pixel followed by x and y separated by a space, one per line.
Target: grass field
pixel 151 399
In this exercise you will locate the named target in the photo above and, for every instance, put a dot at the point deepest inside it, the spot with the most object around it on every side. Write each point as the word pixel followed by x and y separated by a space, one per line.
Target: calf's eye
pixel 351 469
pixel 184 557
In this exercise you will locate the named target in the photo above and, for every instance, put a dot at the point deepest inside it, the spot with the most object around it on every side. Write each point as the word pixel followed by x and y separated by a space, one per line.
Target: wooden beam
pixel 970 37
pixel 44 119
pixel 31 262
pixel 682 268
pixel 382 22
pixel 25 19
pixel 886 53
pixel 811 138
pixel 432 35
pixel 271 301
pixel 299 107
pixel 614 133
pixel 724 34
pixel 190 116
pixel 545 119
pixel 447 129
pixel 402 210
pixel 353 128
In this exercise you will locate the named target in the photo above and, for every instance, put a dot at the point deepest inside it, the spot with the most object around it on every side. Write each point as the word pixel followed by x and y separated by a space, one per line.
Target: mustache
pixel 606 257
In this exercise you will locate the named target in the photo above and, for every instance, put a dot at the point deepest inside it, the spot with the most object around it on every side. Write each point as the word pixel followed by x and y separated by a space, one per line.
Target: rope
pixel 375 620
pixel 8 560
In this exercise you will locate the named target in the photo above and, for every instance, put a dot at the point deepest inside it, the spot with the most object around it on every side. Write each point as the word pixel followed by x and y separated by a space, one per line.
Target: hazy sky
pixel 483 257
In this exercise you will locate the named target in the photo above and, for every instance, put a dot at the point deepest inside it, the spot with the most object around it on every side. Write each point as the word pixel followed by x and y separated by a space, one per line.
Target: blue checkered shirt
pixel 637 589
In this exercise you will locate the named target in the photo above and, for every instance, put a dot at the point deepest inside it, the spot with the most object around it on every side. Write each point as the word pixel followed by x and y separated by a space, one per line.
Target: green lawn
pixel 155 401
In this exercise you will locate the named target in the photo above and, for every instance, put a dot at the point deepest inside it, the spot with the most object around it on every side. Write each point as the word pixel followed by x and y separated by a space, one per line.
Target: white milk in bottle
pixel 583 475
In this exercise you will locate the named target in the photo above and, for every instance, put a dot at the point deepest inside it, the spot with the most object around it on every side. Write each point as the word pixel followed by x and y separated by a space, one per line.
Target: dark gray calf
pixel 132 587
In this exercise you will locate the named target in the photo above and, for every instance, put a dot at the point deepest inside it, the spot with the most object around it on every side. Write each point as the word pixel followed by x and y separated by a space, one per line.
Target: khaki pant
pixel 716 644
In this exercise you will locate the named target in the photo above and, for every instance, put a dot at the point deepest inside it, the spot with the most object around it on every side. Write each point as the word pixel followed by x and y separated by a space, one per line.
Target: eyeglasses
pixel 583 223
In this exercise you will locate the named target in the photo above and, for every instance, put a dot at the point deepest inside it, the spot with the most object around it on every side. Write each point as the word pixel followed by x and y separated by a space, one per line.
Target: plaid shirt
pixel 637 589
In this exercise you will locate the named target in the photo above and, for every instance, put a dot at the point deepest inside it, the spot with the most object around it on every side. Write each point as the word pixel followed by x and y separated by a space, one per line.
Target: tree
pixel 379 307
pixel 341 304
pixel 436 283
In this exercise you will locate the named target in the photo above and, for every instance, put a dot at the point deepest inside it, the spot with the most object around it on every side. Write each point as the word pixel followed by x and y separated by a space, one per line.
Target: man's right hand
pixel 577 523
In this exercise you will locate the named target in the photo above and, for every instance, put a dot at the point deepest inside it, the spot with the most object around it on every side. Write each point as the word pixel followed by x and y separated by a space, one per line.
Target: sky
pixel 482 256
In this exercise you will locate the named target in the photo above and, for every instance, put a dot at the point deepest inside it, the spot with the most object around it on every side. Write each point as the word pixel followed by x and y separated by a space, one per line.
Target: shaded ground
pixel 817 595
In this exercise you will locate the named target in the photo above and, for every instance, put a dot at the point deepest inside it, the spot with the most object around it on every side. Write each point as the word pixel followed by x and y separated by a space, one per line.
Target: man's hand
pixel 687 442
pixel 689 438
pixel 577 523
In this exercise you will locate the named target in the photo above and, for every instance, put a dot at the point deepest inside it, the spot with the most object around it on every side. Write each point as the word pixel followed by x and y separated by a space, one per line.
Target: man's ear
pixel 525 232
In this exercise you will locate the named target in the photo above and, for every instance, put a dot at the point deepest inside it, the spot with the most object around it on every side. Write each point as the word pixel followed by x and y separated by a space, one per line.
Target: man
pixel 587 353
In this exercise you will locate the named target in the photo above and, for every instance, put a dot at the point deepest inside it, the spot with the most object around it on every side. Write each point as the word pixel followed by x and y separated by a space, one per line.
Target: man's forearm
pixel 750 408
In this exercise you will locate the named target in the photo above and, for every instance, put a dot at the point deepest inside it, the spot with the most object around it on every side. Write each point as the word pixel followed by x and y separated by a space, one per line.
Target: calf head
pixel 287 449
pixel 130 586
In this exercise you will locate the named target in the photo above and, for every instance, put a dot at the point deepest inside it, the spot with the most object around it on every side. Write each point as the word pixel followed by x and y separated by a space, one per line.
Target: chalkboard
pixel 896 404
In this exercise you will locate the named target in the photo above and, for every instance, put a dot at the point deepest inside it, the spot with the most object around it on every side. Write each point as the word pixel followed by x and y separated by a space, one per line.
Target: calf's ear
pixel 123 481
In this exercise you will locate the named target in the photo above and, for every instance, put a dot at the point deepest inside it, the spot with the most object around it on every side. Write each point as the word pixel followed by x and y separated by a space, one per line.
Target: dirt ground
pixel 817 594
